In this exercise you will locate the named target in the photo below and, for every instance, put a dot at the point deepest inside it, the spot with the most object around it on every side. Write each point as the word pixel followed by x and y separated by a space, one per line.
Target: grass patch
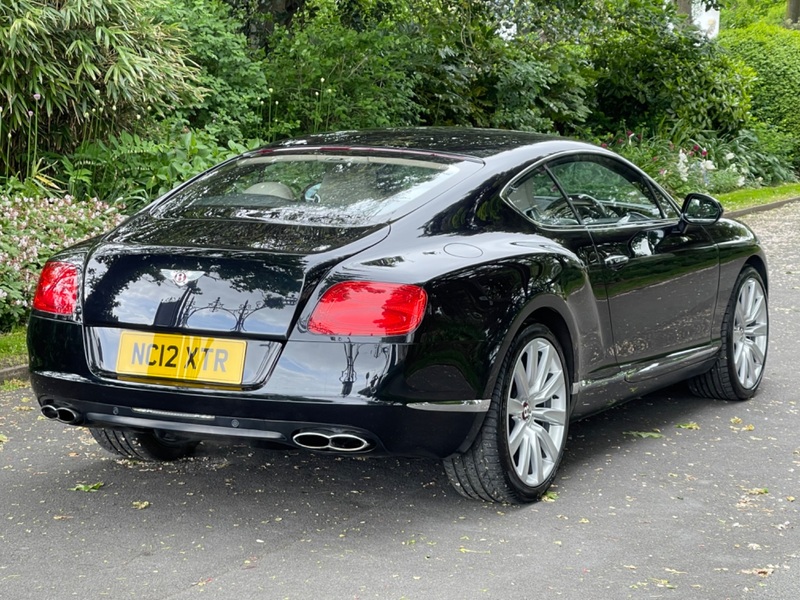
pixel 13 349
pixel 11 385
pixel 749 198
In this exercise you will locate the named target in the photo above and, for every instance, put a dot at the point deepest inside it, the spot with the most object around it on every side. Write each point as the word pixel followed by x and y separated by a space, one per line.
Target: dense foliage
pixel 74 70
pixel 229 70
pixel 655 72
pixel 741 13
pixel 774 54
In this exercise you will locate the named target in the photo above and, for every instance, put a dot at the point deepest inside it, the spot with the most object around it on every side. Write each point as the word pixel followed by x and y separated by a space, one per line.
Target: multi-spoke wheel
pixel 745 336
pixel 518 450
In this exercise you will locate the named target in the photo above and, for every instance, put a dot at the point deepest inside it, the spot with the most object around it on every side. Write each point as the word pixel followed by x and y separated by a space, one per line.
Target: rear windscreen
pixel 314 189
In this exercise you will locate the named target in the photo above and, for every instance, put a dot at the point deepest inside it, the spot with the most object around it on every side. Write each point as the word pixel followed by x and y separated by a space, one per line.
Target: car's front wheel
pixel 516 454
pixel 745 336
pixel 140 445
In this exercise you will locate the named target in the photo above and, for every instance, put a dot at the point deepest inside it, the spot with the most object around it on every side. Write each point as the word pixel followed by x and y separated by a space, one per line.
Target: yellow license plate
pixel 184 357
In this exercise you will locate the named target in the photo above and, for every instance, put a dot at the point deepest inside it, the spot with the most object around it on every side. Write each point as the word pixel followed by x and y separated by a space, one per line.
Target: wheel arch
pixel 553 313
pixel 758 263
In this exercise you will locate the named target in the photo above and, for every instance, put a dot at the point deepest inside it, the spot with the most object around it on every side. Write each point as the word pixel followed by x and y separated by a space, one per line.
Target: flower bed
pixel 31 230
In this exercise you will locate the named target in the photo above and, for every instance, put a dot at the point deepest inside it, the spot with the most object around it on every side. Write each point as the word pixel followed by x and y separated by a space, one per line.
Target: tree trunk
pixel 685 6
pixel 793 11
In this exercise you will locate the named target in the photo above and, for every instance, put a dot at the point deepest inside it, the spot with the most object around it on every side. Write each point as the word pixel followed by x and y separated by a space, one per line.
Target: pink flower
pixel 604 145
pixel 37 96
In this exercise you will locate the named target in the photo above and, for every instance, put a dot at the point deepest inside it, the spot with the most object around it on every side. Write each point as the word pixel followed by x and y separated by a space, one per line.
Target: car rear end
pixel 219 312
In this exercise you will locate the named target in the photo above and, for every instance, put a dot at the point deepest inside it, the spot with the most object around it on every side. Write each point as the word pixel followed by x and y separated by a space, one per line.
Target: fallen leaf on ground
pixel 88 487
pixel 644 434
pixel 762 572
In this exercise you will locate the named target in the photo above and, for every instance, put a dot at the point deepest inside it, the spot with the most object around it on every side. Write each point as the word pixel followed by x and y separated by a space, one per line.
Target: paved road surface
pixel 705 513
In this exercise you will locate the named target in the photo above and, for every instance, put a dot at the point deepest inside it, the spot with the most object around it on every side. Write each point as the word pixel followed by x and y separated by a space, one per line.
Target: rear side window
pixel 314 189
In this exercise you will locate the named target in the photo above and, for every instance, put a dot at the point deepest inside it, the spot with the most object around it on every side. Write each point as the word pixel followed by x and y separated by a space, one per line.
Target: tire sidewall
pixel 741 391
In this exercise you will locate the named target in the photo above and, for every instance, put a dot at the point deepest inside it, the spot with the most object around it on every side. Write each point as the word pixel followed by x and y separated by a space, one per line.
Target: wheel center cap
pixel 526 411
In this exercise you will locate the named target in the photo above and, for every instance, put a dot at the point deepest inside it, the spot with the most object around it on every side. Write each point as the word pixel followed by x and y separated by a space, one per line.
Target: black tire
pixel 745 335
pixel 497 469
pixel 147 446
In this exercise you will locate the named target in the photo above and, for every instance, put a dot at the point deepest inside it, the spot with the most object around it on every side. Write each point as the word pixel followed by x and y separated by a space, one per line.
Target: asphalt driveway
pixel 670 496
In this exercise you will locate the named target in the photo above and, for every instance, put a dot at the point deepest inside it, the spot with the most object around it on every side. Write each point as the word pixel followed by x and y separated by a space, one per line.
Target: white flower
pixel 730 156
pixel 683 165
pixel 708 165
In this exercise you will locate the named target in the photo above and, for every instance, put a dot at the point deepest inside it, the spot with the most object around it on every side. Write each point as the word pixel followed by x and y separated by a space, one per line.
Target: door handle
pixel 616 261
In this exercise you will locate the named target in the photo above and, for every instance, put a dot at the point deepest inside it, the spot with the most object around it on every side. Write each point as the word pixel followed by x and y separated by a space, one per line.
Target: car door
pixel 661 283
pixel 537 196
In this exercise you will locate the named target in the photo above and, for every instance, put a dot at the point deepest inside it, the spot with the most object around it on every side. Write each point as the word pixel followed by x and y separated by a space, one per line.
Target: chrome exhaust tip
pixel 69 416
pixel 331 441
pixel 62 414
pixel 50 412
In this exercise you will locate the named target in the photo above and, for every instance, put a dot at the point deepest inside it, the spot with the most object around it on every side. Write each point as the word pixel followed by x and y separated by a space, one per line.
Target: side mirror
pixel 699 209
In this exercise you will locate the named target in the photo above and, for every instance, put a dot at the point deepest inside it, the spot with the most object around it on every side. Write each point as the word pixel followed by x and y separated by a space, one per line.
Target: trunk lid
pixel 243 277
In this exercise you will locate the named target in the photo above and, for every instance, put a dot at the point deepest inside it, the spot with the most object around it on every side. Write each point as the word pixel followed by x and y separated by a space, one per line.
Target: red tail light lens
pixel 369 308
pixel 57 291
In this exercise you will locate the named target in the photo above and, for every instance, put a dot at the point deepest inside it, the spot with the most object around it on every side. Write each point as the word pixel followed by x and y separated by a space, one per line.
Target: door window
pixel 603 190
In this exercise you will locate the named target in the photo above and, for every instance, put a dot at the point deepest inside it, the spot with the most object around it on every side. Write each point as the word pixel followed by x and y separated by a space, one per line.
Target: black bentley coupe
pixel 454 293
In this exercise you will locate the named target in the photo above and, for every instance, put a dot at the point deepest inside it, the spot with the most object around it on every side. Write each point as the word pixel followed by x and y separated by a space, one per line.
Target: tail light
pixel 57 292
pixel 369 308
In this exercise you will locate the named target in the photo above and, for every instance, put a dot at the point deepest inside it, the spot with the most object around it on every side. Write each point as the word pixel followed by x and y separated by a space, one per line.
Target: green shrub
pixel 323 74
pixel 134 170
pixel 229 71
pixel 741 13
pixel 652 69
pixel 32 229
pixel 73 71
pixel 706 163
pixel 774 54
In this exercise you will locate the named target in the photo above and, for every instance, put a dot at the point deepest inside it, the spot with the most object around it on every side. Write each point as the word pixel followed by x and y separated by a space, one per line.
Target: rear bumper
pixel 426 430
pixel 329 386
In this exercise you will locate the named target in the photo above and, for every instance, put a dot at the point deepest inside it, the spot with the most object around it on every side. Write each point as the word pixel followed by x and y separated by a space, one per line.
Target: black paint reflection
pixel 231 294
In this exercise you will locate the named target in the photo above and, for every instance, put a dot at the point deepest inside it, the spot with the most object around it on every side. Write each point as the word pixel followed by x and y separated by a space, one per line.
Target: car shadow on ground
pixel 229 475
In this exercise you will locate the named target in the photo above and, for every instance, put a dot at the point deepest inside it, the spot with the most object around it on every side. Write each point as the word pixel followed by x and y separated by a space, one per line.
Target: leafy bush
pixel 229 71
pixel 73 71
pixel 653 69
pixel 774 54
pixel 135 170
pixel 706 163
pixel 428 62
pixel 323 74
pixel 31 229
pixel 741 13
